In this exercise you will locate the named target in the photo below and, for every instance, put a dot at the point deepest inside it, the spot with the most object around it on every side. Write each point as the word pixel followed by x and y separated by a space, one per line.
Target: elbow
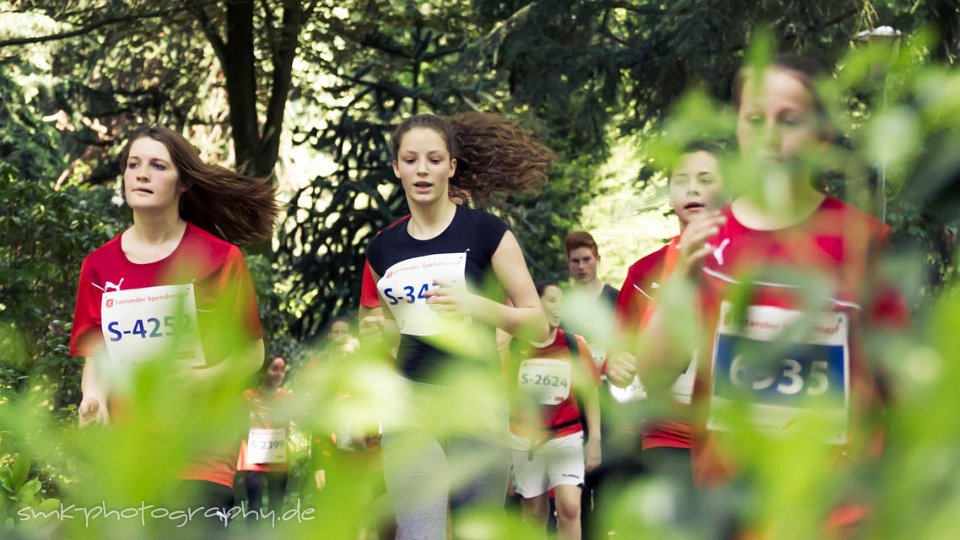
pixel 541 326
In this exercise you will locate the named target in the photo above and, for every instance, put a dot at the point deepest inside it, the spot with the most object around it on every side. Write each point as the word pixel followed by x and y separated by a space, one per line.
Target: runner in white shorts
pixel 548 448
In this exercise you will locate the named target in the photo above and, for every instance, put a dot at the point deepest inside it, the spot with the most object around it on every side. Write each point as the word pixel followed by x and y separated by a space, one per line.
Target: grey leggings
pixel 424 475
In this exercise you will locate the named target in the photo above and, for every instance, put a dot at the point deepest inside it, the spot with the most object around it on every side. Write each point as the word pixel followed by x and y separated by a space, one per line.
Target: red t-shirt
pixel 636 296
pixel 639 288
pixel 224 295
pixel 264 414
pixel 837 245
pixel 369 297
pixel 555 420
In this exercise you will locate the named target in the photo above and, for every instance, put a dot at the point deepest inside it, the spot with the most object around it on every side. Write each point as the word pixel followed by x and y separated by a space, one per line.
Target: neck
pixel 798 202
pixel 427 221
pixel 158 227
pixel 594 287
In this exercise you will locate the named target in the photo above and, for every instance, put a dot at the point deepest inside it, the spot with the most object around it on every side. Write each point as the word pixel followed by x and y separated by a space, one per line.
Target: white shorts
pixel 557 462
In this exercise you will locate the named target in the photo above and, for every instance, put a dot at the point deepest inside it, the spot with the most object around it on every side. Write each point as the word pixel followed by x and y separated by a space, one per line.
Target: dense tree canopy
pixel 329 80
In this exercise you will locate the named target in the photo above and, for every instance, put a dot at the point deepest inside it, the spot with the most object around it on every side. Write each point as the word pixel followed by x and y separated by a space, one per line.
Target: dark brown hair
pixel 542 285
pixel 494 154
pixel 237 208
pixel 580 239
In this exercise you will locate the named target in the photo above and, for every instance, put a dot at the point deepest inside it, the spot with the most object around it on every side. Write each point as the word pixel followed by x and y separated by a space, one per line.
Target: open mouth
pixel 693 206
pixel 143 190
pixel 422 185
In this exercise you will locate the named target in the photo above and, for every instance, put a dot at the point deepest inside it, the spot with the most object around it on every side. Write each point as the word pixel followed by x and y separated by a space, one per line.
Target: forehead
pixel 148 148
pixel 552 291
pixel 696 162
pixel 778 87
pixel 422 139
pixel 278 361
pixel 581 253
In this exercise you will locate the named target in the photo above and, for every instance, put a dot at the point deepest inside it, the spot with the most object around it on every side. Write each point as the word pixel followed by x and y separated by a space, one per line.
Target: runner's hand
pixel 621 369
pixel 693 244
pixel 93 411
pixel 451 298
pixel 592 455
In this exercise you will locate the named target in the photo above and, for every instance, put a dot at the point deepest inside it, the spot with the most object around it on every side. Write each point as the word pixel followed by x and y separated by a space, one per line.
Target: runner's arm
pixel 525 316
pixel 93 386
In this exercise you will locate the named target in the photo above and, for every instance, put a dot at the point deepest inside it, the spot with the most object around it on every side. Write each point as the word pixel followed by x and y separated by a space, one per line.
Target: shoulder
pixel 610 293
pixel 396 229
pixel 210 245
pixel 650 260
pixel 480 218
pixel 105 254
pixel 853 216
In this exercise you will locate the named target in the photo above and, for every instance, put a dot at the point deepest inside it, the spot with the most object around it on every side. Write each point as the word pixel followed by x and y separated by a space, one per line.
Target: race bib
pixel 267 445
pixel 546 380
pixel 404 285
pixel 787 365
pixel 141 324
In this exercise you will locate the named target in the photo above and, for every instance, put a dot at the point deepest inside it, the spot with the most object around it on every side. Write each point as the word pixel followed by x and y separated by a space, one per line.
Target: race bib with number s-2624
pixel 404 285
pixel 787 364
pixel 547 380
pixel 141 324
pixel 267 445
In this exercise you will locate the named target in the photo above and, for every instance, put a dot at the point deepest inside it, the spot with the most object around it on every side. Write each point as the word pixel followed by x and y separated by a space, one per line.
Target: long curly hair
pixel 237 208
pixel 494 154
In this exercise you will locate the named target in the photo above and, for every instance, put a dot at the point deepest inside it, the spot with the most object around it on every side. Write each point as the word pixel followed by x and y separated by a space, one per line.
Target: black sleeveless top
pixel 473 233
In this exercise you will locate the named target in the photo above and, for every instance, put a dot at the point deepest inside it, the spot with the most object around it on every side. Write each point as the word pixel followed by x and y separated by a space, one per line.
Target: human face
pixel 552 303
pixel 582 264
pixel 778 118
pixel 276 372
pixel 424 166
pixel 150 180
pixel 695 185
pixel 340 332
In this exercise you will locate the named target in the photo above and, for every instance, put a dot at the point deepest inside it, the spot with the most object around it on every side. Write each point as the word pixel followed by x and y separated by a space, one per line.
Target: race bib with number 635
pixel 782 378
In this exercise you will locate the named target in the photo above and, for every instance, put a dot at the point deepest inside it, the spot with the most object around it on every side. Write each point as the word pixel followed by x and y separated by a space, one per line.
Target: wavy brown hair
pixel 237 208
pixel 494 154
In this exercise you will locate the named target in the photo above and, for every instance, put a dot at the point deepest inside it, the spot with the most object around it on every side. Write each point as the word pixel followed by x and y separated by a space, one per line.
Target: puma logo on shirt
pixel 718 251
pixel 110 285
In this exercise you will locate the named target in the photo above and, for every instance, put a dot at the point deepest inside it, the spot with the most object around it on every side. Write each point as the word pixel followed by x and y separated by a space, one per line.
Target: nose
pixel 772 135
pixel 422 167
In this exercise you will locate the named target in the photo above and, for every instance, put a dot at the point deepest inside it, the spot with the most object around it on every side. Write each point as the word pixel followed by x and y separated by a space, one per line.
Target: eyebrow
pixel 161 160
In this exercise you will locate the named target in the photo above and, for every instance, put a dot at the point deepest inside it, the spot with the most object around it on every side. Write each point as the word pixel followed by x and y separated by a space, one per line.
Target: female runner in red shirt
pixel 174 281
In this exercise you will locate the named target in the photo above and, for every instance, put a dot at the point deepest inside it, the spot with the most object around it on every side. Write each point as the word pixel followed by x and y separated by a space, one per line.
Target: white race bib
pixel 787 364
pixel 266 445
pixel 546 379
pixel 140 324
pixel 404 284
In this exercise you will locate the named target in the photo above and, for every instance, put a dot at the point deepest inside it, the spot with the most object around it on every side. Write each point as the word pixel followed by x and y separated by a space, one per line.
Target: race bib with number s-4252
pixel 141 324
pixel 787 365
pixel 547 380
pixel 404 285
pixel 267 445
